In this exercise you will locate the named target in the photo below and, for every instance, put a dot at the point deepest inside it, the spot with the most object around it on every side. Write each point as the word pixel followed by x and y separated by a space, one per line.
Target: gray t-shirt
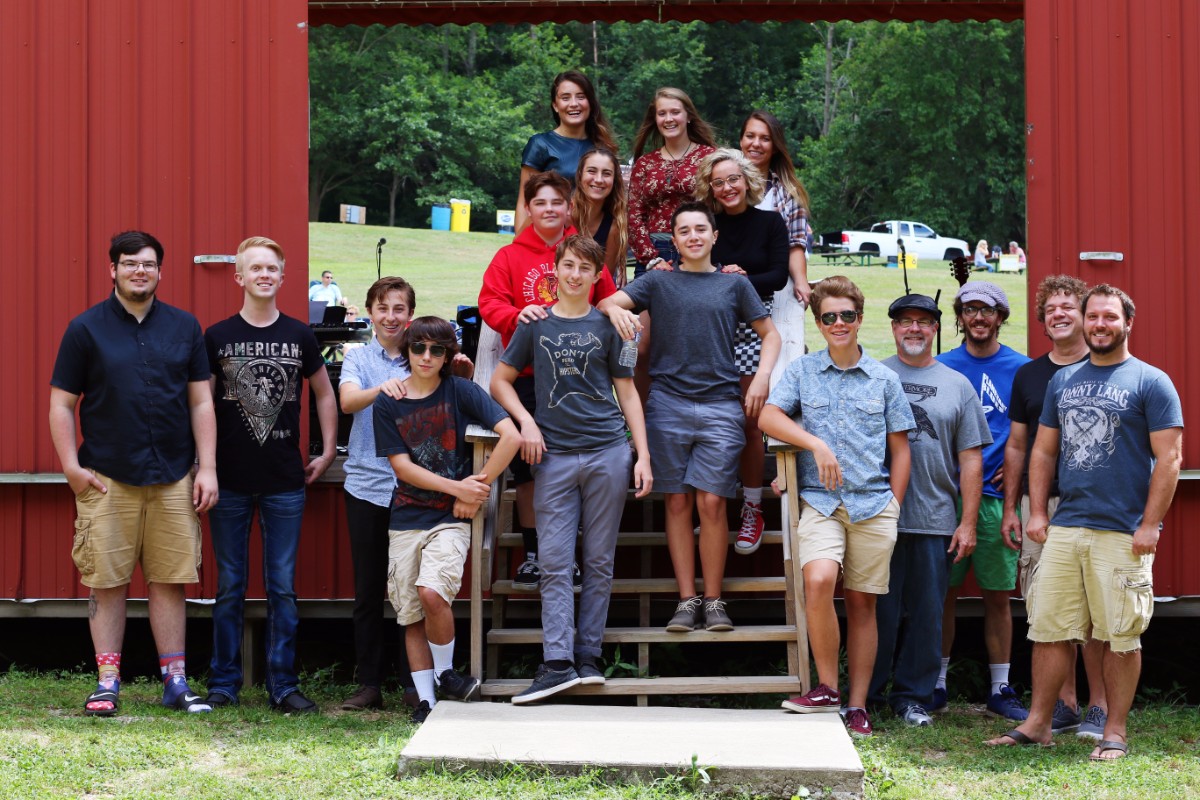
pixel 1104 416
pixel 694 318
pixel 950 419
pixel 574 362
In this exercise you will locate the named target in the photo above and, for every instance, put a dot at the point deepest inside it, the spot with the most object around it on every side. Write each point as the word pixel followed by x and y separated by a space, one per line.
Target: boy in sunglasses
pixel 854 464
pixel 423 435
pixel 575 441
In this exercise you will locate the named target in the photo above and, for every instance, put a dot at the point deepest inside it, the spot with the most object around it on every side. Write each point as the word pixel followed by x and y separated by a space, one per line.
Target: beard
pixel 914 349
pixel 1118 338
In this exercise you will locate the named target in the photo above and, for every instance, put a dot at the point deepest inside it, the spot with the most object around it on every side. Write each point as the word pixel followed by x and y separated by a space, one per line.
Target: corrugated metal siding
pixel 1113 98
pixel 188 118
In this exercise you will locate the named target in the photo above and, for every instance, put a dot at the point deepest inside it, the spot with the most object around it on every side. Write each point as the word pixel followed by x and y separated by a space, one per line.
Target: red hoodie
pixel 522 273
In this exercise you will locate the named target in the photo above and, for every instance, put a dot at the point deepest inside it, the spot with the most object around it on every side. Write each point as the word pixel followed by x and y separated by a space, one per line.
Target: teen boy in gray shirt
pixel 575 442
pixel 694 417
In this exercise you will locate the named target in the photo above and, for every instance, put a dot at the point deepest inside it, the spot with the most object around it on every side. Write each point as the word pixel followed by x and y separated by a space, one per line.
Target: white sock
pixel 999 676
pixel 941 681
pixel 423 680
pixel 443 657
pixel 752 495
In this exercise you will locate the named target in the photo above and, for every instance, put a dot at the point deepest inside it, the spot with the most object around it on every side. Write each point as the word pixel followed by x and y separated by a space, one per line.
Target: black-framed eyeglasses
pixel 923 324
pixel 987 312
pixel 435 350
pixel 134 266
pixel 830 317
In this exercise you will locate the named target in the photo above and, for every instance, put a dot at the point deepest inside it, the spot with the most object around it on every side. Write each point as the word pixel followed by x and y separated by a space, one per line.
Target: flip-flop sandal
pixel 1020 740
pixel 101 695
pixel 1108 744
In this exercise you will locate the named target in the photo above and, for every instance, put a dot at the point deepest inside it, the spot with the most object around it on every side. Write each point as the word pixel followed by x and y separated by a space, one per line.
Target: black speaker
pixel 314 422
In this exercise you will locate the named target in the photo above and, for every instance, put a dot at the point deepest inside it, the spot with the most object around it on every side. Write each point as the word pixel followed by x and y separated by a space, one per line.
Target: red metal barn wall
pixel 185 118
pixel 1113 101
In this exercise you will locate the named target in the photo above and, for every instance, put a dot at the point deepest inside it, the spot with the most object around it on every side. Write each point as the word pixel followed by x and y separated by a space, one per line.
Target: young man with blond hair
pixel 259 359
pixel 854 416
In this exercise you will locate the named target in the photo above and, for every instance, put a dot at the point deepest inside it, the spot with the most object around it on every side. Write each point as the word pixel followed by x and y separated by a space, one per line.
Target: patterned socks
pixel 108 669
pixel 176 692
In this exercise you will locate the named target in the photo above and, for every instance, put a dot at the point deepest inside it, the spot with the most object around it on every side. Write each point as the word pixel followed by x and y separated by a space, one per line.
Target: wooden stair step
pixel 638 538
pixel 737 684
pixel 665 586
pixel 745 633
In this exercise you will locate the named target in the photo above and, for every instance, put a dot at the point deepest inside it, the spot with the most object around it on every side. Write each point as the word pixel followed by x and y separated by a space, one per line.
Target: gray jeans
pixel 569 488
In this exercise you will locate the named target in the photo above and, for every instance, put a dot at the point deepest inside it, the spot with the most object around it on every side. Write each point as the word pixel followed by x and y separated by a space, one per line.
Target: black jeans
pixel 368 524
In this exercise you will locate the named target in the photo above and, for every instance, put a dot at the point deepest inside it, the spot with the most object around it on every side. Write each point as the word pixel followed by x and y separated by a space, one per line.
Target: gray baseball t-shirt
pixel 949 419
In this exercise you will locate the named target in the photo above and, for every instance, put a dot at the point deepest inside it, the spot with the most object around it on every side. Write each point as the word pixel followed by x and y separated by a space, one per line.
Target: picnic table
pixel 862 258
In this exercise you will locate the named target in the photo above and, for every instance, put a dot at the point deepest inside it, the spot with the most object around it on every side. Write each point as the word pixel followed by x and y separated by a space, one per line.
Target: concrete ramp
pixel 770 753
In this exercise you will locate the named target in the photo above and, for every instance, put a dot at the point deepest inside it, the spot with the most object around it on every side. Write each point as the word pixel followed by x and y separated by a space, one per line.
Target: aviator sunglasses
pixel 435 350
pixel 830 317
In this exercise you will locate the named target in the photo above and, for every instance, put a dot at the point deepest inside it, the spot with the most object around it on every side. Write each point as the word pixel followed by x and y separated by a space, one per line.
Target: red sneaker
pixel 750 535
pixel 819 699
pixel 857 722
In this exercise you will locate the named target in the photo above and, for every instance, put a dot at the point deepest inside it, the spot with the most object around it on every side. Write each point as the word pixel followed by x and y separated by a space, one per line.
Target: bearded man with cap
pixel 947 459
pixel 981 309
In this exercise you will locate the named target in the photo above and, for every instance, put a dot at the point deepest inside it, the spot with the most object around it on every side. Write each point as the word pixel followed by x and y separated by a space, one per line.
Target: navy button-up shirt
pixel 133 381
pixel 852 411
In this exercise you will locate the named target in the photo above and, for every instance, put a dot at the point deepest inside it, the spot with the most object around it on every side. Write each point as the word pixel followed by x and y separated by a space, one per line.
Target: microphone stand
pixel 379 258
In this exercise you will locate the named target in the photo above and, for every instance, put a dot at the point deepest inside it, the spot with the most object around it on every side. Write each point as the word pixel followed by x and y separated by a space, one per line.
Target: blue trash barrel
pixel 441 216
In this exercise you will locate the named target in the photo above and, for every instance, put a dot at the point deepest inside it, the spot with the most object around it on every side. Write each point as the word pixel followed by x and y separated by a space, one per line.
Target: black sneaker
pixel 576 576
pixel 528 576
pixel 547 682
pixel 1065 719
pixel 421 712
pixel 454 686
pixel 295 703
pixel 589 671
pixel 219 700
pixel 689 615
pixel 715 618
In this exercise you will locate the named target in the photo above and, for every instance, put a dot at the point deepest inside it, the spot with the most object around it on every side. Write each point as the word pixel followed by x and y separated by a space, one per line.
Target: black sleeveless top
pixel 601 236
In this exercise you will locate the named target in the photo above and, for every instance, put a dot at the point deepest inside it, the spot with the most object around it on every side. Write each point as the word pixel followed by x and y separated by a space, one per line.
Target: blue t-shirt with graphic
pixel 1104 416
pixel 432 431
pixel 992 379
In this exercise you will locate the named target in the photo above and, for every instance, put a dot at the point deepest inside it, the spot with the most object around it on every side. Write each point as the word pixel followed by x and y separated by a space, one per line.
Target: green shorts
pixel 995 565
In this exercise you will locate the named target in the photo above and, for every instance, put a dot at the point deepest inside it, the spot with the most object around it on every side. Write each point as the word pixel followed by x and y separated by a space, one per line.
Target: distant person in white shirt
pixel 327 291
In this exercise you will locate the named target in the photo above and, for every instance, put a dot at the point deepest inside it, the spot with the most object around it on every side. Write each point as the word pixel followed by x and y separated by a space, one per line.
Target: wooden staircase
pixel 494 542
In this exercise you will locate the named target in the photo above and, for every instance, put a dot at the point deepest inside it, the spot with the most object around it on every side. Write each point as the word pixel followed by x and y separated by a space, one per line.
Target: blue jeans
pixel 909 619
pixel 279 518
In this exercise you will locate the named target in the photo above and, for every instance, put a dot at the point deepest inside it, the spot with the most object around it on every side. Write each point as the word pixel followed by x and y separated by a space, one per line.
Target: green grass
pixel 446 270
pixel 49 750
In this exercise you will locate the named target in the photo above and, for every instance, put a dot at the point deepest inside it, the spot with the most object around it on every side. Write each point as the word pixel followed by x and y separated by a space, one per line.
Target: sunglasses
pixel 830 317
pixel 435 350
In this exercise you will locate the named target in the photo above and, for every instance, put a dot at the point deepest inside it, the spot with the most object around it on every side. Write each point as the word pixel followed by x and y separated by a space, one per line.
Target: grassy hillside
pixel 446 270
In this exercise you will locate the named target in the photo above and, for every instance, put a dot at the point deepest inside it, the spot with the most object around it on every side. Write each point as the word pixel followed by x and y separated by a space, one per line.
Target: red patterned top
pixel 657 186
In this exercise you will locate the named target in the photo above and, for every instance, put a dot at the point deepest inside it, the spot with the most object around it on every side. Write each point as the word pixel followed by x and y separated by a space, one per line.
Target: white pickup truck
pixel 919 240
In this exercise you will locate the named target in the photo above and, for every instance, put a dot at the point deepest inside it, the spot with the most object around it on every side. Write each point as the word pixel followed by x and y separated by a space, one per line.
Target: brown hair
pixel 698 130
pixel 540 180
pixel 380 289
pixel 781 159
pixel 696 206
pixel 755 182
pixel 1108 290
pixel 583 211
pixel 260 241
pixel 583 246
pixel 431 329
pixel 836 286
pixel 598 131
pixel 1058 284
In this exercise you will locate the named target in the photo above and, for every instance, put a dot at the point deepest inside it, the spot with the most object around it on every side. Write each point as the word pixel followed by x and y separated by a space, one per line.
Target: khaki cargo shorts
pixel 434 559
pixel 1031 551
pixel 156 526
pixel 1089 584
